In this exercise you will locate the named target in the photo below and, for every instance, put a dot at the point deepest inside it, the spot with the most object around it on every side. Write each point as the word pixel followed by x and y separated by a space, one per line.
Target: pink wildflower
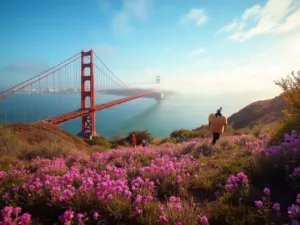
pixel 258 203
pixel 24 219
pixel 276 206
pixel 204 220
pixel 95 216
pixel 163 219
pixel 267 191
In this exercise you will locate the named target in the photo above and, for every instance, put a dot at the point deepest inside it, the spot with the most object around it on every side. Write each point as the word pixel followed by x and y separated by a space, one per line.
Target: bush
pixel 277 134
pixel 140 135
pixel 291 87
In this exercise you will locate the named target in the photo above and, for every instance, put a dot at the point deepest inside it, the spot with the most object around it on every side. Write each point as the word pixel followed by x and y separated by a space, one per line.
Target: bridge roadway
pixel 56 120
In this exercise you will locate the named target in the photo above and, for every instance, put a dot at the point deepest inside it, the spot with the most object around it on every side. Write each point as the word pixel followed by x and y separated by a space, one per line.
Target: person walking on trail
pixel 217 123
pixel 144 144
pixel 133 141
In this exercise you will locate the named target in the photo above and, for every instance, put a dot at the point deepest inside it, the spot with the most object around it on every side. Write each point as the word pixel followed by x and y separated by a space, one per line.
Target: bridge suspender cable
pixel 12 92
pixel 109 70
pixel 39 74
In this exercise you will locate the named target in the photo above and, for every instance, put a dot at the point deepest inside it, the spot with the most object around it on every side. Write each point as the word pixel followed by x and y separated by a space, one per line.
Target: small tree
pixel 291 87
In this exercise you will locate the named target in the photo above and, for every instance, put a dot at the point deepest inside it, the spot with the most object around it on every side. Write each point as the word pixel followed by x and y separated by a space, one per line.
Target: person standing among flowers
pixel 217 123
pixel 133 141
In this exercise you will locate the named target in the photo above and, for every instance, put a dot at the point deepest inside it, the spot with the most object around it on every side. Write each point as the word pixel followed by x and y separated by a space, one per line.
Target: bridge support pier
pixel 88 94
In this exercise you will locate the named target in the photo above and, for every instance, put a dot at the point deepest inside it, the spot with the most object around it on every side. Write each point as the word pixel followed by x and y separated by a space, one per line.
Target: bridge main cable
pixel 109 70
pixel 12 92
pixel 39 74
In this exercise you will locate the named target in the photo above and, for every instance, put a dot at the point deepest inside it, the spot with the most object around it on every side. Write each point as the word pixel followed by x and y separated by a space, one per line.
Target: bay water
pixel 160 118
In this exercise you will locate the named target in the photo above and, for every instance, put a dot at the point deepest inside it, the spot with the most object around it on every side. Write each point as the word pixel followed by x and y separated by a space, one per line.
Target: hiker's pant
pixel 216 136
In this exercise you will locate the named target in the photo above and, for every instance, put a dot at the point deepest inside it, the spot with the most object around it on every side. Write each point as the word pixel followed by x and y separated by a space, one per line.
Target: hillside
pixel 37 133
pixel 260 112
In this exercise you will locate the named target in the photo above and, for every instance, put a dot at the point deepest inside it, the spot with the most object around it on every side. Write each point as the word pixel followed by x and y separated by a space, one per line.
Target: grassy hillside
pixel 259 113
pixel 239 181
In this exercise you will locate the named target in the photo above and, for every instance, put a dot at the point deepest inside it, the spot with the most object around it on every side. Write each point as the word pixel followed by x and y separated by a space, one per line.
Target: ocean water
pixel 158 117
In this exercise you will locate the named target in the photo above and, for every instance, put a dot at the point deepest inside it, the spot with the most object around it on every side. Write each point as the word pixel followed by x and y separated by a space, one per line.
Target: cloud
pixel 25 66
pixel 275 17
pixel 105 50
pixel 196 52
pixel 255 76
pixel 131 10
pixel 194 15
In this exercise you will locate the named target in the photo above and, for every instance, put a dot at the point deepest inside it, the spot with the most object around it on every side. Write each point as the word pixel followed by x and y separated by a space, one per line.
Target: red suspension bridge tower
pixel 88 94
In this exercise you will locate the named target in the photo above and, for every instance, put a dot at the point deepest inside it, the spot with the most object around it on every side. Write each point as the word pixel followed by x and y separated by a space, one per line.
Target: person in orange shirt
pixel 133 141
pixel 217 123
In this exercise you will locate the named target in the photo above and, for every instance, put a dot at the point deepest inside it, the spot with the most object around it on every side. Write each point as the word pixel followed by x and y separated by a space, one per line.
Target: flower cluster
pixel 235 182
pixel 11 215
pixel 100 183
pixel 294 211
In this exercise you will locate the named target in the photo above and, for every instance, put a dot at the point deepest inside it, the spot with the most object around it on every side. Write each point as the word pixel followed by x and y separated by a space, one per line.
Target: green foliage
pixel 140 135
pixel 291 87
pixel 286 126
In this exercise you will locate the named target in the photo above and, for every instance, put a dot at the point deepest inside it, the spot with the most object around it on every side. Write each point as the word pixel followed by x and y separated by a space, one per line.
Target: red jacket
pixel 133 140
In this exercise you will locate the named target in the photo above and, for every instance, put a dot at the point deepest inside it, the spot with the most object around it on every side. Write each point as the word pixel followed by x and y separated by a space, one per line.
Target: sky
pixel 204 47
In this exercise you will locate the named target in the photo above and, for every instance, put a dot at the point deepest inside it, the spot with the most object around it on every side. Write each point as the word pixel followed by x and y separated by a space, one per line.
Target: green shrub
pixel 286 126
pixel 291 87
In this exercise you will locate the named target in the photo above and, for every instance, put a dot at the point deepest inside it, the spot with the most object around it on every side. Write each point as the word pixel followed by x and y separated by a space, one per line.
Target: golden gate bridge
pixel 84 73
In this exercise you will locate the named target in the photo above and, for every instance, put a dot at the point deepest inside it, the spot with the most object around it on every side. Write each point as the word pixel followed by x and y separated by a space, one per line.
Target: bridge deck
pixel 83 112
